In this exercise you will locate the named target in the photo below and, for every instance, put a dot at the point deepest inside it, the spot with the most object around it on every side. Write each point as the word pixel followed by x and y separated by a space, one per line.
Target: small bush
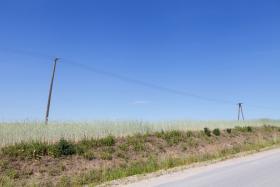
pixel 217 132
pixel 207 131
pixel 64 147
pixel 249 129
pixel 244 129
pixel 107 141
pixel 228 131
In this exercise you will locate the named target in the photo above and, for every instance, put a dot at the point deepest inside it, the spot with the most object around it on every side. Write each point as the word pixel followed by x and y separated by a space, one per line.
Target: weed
pixel 172 137
pixel 12 173
pixel 26 150
pixel 228 130
pixel 64 147
pixel 217 132
pixel 107 141
pixel 110 150
pixel 137 142
pixel 124 147
pixel 244 129
pixel 89 155
pixel 249 129
pixel 6 181
pixel 207 131
pixel 189 134
pixel 4 164
pixel 121 155
pixel 192 142
pixel 106 156
pixel 65 181
pixel 184 147
pixel 54 171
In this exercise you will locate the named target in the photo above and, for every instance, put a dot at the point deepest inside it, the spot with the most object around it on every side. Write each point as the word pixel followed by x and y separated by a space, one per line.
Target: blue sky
pixel 225 50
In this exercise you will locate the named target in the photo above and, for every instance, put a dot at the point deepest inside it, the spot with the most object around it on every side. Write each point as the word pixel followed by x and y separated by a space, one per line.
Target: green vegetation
pixel 228 130
pixel 207 131
pixel 61 148
pixel 173 137
pixel 217 132
pixel 97 160
pixel 244 129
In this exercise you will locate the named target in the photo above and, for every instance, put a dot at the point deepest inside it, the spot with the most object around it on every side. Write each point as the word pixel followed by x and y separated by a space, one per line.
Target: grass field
pixel 94 161
pixel 16 132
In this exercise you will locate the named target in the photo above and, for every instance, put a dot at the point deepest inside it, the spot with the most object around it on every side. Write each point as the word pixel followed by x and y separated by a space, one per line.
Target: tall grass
pixel 15 132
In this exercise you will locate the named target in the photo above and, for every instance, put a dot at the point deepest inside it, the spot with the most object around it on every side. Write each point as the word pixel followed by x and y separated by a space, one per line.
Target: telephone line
pixel 145 84
pixel 131 80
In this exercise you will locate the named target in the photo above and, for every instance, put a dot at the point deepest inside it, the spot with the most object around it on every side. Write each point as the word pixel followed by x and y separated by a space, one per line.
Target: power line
pixel 131 80
pixel 27 53
pixel 145 84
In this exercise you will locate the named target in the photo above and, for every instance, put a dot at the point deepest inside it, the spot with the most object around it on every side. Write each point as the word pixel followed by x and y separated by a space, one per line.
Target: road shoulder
pixel 179 173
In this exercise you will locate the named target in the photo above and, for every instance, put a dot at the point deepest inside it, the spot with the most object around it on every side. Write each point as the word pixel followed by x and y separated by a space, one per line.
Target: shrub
pixel 244 129
pixel 217 132
pixel 107 141
pixel 228 131
pixel 63 147
pixel 249 129
pixel 207 131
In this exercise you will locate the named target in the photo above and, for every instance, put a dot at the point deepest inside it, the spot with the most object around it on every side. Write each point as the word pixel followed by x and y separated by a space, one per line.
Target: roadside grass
pixel 37 149
pixel 96 177
pixel 114 157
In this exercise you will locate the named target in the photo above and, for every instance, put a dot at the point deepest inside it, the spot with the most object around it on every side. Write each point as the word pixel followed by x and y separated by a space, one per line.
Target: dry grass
pixel 93 161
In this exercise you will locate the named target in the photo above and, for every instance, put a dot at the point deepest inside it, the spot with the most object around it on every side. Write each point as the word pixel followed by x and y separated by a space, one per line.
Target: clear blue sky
pixel 225 50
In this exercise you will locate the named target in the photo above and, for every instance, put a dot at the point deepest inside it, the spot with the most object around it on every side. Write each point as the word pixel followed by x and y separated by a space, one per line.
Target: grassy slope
pixel 93 161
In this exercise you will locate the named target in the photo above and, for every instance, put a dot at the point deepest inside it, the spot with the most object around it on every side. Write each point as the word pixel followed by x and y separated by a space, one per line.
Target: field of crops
pixel 11 133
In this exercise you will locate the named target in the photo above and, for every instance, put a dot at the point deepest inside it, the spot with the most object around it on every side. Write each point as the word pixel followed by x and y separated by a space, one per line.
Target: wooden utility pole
pixel 240 111
pixel 50 92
